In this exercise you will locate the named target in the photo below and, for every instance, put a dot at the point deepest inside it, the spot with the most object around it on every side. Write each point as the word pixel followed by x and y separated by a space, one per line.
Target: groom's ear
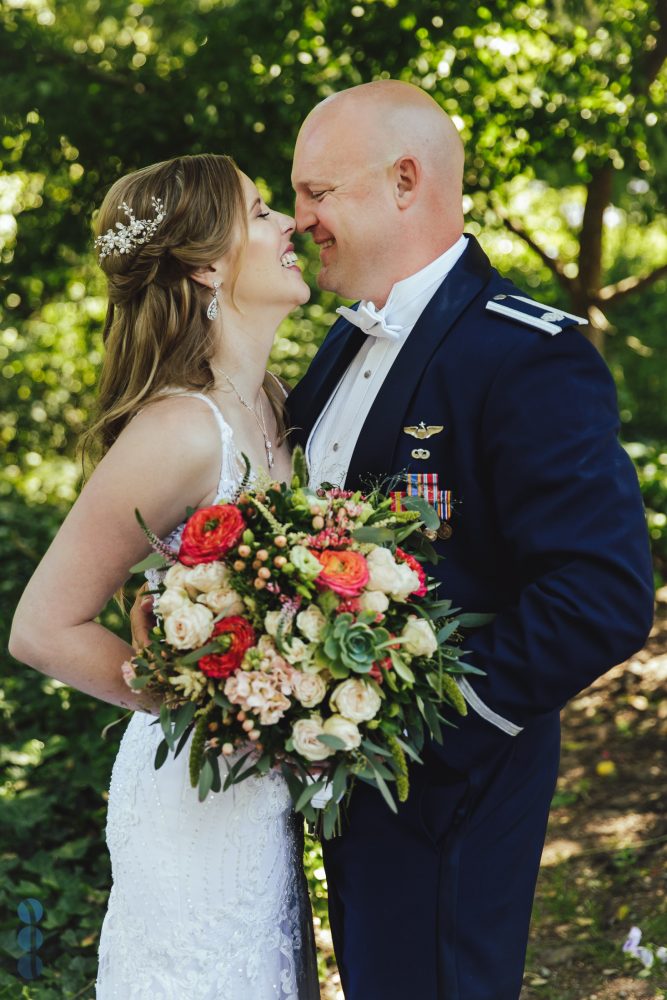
pixel 407 175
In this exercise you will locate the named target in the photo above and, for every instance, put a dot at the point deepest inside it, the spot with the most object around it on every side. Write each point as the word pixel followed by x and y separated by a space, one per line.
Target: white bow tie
pixel 371 321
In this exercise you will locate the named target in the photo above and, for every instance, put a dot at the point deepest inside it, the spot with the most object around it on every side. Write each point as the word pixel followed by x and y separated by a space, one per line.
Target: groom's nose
pixel 304 215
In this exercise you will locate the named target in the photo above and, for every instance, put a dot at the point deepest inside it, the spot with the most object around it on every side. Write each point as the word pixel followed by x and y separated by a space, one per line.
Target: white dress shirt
pixel 335 433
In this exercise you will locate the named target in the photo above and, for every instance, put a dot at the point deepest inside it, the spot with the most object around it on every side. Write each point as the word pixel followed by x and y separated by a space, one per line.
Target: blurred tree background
pixel 561 105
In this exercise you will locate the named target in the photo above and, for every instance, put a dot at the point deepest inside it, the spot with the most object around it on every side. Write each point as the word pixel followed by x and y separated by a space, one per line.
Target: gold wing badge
pixel 421 431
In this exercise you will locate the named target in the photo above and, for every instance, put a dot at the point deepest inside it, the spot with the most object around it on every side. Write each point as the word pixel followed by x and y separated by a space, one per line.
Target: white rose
pixel 189 627
pixel 222 602
pixel 311 622
pixel 295 650
pixel 382 569
pixel 373 600
pixel 406 583
pixel 304 735
pixel 177 576
pixel 420 639
pixel 356 700
pixel 171 600
pixel 390 577
pixel 207 576
pixel 309 689
pixel 345 730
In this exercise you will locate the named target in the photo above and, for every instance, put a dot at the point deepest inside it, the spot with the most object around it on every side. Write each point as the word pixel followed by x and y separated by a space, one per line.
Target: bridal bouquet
pixel 297 630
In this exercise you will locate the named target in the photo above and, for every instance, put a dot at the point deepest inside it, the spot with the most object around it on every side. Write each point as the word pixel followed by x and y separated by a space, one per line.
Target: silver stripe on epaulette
pixel 483 710
pixel 525 318
pixel 557 314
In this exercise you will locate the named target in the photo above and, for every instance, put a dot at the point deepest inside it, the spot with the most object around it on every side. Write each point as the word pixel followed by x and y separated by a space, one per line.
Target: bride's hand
pixel 142 618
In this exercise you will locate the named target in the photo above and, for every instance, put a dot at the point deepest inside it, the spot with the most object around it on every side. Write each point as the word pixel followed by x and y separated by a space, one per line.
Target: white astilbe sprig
pixel 126 238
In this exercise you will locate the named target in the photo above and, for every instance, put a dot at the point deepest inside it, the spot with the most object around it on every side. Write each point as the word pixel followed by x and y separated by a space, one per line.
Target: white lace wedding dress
pixel 209 899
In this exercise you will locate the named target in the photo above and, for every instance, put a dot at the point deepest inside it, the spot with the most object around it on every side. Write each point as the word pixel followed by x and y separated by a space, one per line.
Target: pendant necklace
pixel 261 423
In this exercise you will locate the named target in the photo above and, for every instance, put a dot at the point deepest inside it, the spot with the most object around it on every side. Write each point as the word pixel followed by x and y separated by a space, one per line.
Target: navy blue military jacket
pixel 548 525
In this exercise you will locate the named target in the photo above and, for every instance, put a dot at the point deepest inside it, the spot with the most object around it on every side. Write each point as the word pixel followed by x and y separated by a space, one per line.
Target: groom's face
pixel 343 199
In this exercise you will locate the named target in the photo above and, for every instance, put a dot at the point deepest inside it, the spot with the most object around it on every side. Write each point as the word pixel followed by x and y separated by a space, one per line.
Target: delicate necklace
pixel 259 418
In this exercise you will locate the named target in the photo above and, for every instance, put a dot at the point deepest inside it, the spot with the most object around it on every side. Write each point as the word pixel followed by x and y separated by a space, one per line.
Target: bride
pixel 208 899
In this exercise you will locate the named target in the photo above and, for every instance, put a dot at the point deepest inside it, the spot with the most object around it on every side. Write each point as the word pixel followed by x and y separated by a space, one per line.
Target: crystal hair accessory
pixel 126 238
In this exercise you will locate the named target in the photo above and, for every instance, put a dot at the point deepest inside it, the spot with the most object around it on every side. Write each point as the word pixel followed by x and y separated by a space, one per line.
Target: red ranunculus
pixel 210 533
pixel 375 671
pixel 242 636
pixel 415 565
pixel 344 572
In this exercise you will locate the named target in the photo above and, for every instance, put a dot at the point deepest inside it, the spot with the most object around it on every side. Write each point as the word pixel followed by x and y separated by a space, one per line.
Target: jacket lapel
pixel 307 399
pixel 380 434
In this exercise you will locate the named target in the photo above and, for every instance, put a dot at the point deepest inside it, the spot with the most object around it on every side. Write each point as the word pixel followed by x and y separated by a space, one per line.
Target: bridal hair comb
pixel 126 239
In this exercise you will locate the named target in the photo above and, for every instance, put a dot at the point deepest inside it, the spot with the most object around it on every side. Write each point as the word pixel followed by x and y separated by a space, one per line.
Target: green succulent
pixel 352 646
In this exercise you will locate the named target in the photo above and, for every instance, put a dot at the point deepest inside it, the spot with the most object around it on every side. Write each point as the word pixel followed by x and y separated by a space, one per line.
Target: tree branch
pixel 555 266
pixel 628 286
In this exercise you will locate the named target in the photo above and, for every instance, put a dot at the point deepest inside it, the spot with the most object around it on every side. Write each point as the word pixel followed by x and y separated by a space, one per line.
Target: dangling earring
pixel 212 310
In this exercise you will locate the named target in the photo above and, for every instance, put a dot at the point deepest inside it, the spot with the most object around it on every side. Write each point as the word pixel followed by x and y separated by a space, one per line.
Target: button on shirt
pixel 334 436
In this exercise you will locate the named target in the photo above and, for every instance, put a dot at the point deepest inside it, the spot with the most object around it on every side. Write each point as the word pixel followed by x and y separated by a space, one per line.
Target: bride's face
pixel 269 272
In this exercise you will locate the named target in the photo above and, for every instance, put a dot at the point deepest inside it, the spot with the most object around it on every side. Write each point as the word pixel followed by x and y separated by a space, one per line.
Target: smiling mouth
pixel 327 243
pixel 289 259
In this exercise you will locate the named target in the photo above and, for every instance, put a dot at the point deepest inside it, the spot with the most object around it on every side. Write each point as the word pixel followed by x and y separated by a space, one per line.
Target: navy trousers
pixel 435 903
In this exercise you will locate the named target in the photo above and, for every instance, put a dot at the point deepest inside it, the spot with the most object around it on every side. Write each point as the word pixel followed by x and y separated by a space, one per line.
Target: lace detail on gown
pixel 208 899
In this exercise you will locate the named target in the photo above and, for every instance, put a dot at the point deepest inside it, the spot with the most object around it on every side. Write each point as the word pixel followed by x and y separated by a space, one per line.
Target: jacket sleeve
pixel 571 521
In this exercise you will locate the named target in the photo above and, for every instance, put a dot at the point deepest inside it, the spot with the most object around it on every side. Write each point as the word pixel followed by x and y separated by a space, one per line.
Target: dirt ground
pixel 604 867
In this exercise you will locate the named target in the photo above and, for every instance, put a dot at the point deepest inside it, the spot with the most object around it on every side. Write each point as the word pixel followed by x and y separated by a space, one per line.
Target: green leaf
pixel 183 740
pixel 401 667
pixel 165 723
pixel 335 742
pixel 196 654
pixel 376 536
pixel 299 468
pixel 138 683
pixel 447 630
pixel 339 780
pixel 307 794
pixel 410 751
pixel 153 561
pixel 476 619
pixel 371 747
pixel 384 790
pixel 216 784
pixel 206 777
pixel 182 717
pixel 161 754
pixel 427 513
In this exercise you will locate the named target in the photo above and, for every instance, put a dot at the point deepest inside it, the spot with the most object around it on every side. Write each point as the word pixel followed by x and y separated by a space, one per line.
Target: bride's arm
pixel 165 460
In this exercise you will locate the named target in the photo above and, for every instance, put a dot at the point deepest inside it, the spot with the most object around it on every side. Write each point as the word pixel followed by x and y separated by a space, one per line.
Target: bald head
pixel 393 118
pixel 388 149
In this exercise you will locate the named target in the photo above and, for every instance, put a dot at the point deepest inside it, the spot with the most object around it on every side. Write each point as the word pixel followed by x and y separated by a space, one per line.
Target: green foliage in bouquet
pixel 298 630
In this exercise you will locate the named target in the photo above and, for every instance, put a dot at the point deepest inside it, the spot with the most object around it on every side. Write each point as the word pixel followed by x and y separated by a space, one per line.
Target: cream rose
pixel 177 576
pixel 223 602
pixel 295 650
pixel 311 622
pixel 345 730
pixel 309 689
pixel 419 637
pixel 356 700
pixel 171 600
pixel 208 576
pixel 304 735
pixel 189 627
pixel 373 600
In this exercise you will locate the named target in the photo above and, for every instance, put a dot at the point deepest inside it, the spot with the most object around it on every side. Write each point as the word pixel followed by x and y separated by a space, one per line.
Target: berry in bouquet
pixel 297 629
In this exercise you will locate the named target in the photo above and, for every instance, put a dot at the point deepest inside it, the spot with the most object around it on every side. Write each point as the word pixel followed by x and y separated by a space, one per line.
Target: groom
pixel 446 369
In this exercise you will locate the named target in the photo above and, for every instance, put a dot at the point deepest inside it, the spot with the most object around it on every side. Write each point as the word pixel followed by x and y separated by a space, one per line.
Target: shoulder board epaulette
pixel 535 314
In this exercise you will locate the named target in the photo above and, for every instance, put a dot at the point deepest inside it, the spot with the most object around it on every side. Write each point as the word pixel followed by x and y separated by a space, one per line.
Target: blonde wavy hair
pixel 156 333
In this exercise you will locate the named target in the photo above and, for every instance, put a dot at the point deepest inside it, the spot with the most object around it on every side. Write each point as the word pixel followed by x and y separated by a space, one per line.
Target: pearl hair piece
pixel 126 238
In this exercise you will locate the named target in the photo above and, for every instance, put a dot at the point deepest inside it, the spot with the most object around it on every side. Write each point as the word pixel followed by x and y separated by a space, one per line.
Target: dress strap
pixel 228 464
pixel 281 384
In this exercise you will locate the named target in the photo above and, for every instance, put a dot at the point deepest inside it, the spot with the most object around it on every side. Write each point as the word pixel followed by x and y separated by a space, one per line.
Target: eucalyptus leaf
pixel 329 740
pixel 401 667
pixel 152 561
pixel 427 513
pixel 475 619
pixel 205 779
pixel 308 793
pixel 161 754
